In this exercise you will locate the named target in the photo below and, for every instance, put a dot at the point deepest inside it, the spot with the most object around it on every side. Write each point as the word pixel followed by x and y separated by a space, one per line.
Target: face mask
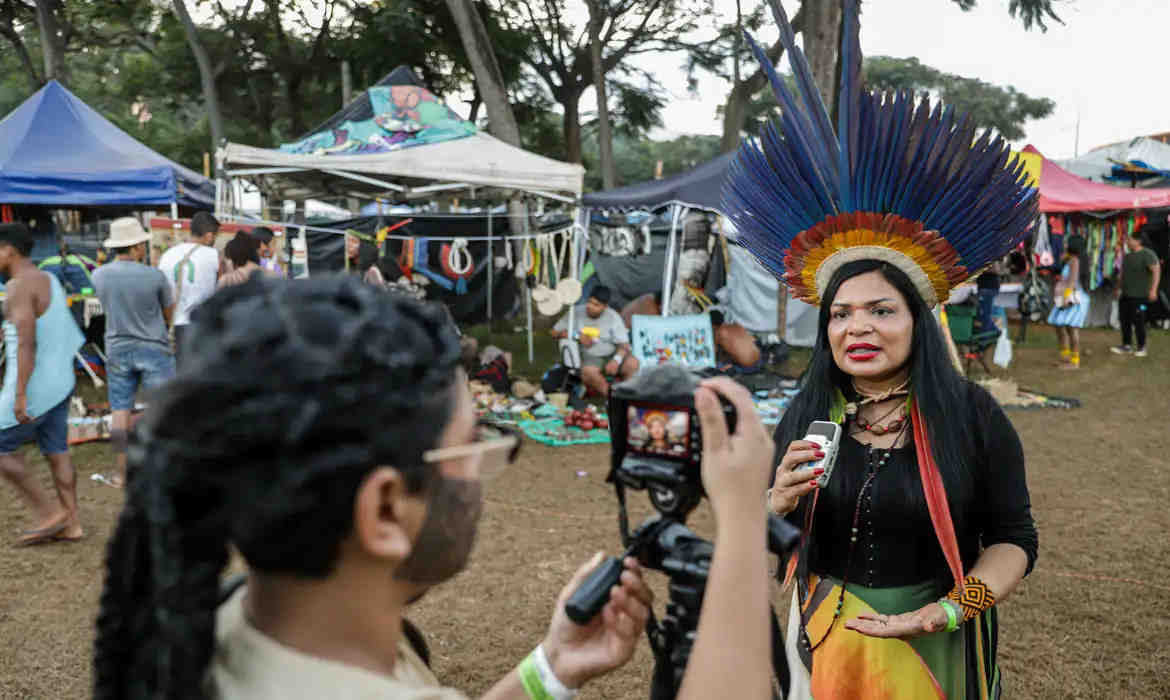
pixel 444 543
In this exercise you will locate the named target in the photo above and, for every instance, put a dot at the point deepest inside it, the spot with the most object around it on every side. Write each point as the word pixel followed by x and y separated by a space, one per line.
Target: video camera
pixel 657 443
pixel 657 447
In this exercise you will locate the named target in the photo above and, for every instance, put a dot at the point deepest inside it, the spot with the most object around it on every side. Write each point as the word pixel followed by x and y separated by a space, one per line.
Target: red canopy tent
pixel 1061 191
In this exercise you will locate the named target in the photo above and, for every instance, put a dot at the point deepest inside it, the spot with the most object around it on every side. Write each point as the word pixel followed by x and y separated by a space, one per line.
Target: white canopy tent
pixel 360 152
pixel 478 160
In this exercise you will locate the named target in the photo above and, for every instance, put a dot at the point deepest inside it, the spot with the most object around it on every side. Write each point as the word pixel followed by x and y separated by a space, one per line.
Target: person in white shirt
pixel 192 268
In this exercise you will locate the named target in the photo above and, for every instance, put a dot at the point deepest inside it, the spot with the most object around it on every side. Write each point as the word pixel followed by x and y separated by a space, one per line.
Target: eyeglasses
pixel 496 447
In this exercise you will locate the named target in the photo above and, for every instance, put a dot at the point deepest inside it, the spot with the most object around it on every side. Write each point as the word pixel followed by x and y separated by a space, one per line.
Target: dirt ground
pixel 1090 622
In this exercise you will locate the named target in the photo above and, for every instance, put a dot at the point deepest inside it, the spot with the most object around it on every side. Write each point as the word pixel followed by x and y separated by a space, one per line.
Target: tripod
pixel 665 544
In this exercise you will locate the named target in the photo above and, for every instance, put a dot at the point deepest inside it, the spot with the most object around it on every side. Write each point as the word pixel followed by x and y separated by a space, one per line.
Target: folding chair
pixel 971 342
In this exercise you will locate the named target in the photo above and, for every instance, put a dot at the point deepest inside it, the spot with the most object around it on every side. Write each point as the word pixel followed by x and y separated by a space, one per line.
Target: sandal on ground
pixel 41 536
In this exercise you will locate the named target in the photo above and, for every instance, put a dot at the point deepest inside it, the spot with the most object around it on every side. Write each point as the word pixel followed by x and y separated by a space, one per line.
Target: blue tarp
pixel 56 150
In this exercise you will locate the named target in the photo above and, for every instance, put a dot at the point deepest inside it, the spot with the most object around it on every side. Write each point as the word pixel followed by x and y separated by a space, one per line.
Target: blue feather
pixel 895 154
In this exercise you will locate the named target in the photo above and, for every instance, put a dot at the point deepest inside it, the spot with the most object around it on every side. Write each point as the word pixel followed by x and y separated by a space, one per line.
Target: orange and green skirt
pixel 956 665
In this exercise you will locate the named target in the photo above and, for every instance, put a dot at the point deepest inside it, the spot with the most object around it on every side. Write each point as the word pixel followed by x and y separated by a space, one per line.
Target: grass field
pixel 1090 622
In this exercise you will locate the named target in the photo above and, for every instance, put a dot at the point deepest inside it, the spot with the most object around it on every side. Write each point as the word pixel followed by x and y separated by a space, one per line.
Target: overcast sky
pixel 1105 64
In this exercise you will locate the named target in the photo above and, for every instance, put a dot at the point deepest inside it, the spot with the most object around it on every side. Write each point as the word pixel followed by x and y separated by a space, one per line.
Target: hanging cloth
pixel 406 258
pixel 421 262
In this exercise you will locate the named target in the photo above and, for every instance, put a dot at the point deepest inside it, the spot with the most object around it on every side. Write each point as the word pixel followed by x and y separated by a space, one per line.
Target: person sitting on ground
pixel 40 340
pixel 736 345
pixel 324 431
pixel 138 304
pixel 606 354
pixel 645 305
pixel 243 252
pixel 268 261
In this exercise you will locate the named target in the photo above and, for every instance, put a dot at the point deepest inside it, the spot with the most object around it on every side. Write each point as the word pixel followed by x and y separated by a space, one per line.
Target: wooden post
pixel 782 312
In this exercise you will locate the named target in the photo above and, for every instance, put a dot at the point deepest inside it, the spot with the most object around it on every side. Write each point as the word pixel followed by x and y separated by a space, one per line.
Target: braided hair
pixel 290 394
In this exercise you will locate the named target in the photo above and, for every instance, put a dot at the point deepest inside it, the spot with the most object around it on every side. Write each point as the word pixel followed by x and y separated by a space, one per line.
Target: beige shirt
pixel 248 665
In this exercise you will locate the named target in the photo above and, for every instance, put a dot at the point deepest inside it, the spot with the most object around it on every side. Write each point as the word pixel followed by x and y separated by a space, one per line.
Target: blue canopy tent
pixel 56 150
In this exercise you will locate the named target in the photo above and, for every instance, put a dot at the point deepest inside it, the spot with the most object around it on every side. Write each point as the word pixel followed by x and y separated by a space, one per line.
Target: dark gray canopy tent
pixel 752 294
pixel 699 188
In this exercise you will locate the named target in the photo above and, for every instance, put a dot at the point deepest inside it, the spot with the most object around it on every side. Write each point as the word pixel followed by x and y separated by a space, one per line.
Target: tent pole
pixel 573 266
pixel 670 248
pixel 528 293
pixel 490 269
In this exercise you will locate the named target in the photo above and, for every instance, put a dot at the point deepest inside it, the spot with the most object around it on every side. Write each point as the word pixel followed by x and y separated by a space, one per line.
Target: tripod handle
pixel 593 593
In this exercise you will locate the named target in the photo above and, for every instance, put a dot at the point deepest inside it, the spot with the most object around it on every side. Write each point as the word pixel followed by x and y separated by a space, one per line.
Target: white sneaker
pixel 1121 350
pixel 1140 352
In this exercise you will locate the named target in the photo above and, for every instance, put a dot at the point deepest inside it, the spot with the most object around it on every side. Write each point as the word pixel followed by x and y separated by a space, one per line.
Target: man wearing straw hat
pixel 138 303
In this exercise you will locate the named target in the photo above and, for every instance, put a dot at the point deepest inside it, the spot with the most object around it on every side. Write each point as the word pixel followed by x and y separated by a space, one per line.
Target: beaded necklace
pixel 864 502
pixel 876 427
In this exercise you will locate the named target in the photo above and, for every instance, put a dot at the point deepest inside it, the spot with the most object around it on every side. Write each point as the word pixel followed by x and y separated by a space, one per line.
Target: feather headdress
pixel 900 181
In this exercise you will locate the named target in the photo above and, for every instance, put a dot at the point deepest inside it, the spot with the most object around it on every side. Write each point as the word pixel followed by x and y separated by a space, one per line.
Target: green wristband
pixel 952 614
pixel 530 679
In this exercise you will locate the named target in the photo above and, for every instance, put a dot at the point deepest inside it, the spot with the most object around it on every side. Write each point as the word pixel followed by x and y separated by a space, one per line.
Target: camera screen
pixel 658 431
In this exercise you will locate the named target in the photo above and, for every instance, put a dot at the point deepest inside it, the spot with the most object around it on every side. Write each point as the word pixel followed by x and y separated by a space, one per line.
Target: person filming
pixel 325 431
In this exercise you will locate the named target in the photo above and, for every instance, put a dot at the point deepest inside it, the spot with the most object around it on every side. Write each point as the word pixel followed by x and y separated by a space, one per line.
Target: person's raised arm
pixel 21 312
pixel 732 653
pixel 572 654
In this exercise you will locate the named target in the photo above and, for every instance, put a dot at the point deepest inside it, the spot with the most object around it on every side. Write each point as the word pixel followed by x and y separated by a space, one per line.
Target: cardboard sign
pixel 683 340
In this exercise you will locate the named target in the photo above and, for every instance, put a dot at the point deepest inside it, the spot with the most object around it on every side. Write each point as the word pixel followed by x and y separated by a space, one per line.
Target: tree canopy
pixel 277 67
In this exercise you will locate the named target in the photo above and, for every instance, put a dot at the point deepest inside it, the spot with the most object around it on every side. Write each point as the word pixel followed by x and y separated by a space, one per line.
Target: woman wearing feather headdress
pixel 925 523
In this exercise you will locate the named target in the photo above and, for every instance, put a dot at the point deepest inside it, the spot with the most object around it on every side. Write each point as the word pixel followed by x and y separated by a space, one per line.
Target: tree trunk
pixel 740 97
pixel 26 62
pixel 206 76
pixel 52 40
pixel 572 126
pixel 488 77
pixel 734 116
pixel 346 83
pixel 293 79
pixel 597 16
pixel 821 34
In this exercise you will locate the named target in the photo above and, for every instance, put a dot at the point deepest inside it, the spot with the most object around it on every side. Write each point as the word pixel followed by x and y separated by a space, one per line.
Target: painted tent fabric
pixel 404 116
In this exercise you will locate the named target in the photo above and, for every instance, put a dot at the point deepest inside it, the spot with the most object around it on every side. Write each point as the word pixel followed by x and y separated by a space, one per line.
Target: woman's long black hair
pixel 941 392
pixel 290 393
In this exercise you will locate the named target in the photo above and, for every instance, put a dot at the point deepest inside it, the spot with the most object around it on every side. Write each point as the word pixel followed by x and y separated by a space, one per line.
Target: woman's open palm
pixel 928 619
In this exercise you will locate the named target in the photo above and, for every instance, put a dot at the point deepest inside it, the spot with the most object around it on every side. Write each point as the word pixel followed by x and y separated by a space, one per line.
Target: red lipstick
pixel 862 352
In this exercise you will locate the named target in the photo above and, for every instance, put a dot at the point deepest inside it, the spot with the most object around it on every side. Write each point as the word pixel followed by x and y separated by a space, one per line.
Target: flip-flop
pixel 48 534
pixel 68 540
